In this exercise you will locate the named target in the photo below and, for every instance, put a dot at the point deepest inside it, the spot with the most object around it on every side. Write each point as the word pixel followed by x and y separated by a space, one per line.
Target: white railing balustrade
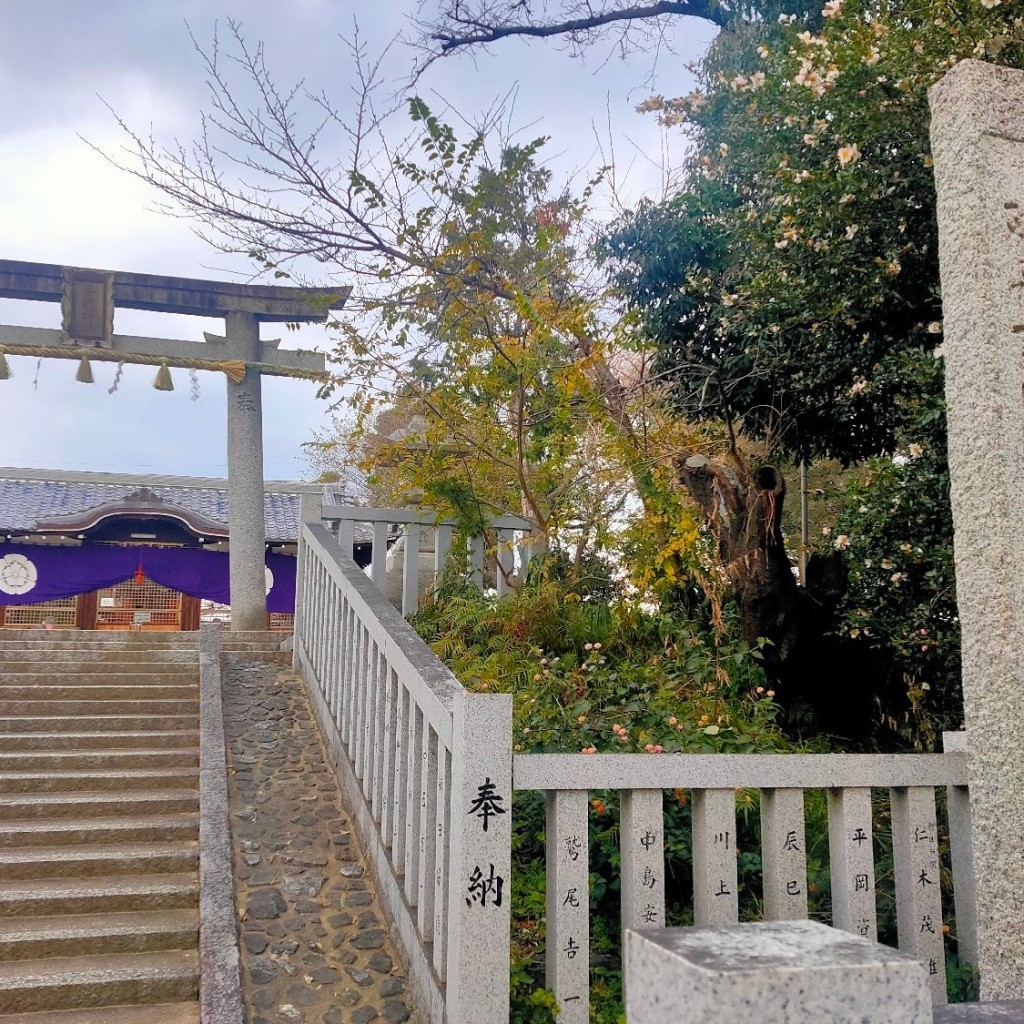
pixel 428 774
pixel 782 779
pixel 424 534
pixel 426 770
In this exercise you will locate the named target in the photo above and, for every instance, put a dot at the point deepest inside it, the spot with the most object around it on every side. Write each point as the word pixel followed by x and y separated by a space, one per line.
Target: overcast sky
pixel 60 202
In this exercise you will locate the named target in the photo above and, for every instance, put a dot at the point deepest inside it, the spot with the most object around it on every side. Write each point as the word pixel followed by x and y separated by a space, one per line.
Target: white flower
pixel 989 4
pixel 832 8
pixel 935 327
pixel 914 451
pixel 851 230
pixel 842 542
pixel 787 19
pixel 858 386
pixel 848 154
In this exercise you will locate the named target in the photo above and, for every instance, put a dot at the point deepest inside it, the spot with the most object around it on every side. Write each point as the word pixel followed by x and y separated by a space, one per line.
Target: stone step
pixel 103 689
pixel 97 760
pixel 49 781
pixel 52 741
pixel 130 641
pixel 31 938
pixel 142 828
pixel 113 979
pixel 16 708
pixel 99 738
pixel 99 722
pixel 28 806
pixel 181 657
pixel 98 665
pixel 115 638
pixel 24 862
pixel 42 897
pixel 160 1013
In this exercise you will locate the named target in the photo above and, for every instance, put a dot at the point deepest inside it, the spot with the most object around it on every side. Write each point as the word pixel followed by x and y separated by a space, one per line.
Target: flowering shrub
pixel 796 270
pixel 896 534
pixel 592 678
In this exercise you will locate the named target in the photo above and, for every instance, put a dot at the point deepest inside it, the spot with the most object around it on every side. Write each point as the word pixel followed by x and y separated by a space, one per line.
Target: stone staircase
pixel 99 825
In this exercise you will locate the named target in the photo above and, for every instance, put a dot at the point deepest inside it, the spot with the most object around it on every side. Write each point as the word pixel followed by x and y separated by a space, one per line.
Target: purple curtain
pixel 33 573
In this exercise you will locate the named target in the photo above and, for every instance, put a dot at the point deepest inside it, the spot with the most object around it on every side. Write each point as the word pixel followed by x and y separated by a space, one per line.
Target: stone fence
pixel 712 781
pixel 414 751
pixel 428 772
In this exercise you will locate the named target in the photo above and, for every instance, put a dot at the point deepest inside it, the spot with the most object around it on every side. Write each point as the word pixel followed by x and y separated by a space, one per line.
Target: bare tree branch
pixel 469 30
pixel 445 27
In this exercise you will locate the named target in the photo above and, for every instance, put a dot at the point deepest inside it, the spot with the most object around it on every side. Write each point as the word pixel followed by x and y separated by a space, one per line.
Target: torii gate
pixel 88 299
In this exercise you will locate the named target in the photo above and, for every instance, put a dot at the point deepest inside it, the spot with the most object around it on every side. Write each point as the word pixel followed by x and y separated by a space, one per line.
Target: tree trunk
pixel 744 513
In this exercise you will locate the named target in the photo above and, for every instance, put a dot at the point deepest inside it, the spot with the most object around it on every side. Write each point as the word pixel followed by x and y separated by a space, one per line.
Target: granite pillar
pixel 245 478
pixel 978 148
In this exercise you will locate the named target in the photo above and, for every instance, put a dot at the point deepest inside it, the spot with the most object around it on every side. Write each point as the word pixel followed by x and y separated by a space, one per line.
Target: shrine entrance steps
pixel 99 826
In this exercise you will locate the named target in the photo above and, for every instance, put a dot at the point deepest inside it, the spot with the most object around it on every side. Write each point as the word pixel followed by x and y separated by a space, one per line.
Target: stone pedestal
pixel 799 972
pixel 978 147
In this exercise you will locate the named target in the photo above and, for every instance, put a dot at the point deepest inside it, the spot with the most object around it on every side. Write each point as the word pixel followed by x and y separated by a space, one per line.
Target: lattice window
pixel 282 621
pixel 138 604
pixel 60 614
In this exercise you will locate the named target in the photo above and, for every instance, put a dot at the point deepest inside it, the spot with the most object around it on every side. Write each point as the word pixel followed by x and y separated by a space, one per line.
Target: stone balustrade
pixel 781 779
pixel 427 538
pixel 427 768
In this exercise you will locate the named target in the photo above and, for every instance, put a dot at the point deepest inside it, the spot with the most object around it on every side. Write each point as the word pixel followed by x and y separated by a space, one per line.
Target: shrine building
pixel 81 550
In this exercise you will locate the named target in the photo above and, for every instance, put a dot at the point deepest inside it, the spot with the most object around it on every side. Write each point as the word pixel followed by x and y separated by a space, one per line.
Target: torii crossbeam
pixel 88 299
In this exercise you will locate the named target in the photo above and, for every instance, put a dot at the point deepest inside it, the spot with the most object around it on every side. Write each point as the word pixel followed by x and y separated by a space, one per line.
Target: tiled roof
pixel 24 502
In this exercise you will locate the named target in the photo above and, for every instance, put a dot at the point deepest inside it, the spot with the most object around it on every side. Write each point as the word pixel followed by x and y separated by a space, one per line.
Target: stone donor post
pixel 797 972
pixel 978 147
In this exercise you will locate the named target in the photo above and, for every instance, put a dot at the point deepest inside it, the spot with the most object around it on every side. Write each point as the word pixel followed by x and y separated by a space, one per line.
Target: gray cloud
pixel 60 202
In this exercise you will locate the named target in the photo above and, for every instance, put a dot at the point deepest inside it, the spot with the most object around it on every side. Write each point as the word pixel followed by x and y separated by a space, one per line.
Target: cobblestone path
pixel 314 941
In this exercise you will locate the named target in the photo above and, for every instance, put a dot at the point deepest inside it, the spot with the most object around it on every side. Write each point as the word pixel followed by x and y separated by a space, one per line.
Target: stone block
pixel 796 972
pixel 1009 1012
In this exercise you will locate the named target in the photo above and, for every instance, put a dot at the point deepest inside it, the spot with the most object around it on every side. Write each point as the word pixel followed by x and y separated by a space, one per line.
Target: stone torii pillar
pixel 978 146
pixel 88 299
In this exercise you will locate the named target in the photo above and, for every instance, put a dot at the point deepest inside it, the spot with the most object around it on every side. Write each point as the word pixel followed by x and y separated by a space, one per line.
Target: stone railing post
pixel 978 147
pixel 961 853
pixel 480 888
pixel 309 512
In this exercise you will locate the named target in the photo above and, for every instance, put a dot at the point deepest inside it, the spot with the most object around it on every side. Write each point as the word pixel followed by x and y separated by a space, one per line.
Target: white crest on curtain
pixel 18 574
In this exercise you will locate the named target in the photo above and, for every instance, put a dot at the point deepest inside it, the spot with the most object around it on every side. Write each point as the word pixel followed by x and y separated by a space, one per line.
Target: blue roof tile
pixel 23 503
